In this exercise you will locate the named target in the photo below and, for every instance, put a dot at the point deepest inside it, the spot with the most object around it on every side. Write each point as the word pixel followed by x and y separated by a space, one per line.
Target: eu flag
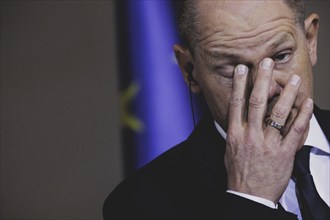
pixel 156 111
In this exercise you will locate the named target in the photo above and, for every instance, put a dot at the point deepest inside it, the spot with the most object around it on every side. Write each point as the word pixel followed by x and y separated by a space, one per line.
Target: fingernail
pixel 267 63
pixel 309 102
pixel 295 80
pixel 241 69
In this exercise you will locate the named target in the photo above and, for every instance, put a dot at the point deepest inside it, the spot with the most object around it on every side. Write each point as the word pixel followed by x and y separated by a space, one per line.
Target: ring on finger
pixel 274 124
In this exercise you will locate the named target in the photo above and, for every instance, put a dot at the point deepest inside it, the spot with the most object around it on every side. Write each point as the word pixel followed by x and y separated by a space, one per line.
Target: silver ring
pixel 274 124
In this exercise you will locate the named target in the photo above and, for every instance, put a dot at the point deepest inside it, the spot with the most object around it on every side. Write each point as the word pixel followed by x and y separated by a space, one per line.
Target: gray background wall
pixel 60 140
pixel 60 150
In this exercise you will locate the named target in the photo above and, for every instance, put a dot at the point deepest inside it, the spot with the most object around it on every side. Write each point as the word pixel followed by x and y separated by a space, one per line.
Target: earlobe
pixel 186 64
pixel 311 33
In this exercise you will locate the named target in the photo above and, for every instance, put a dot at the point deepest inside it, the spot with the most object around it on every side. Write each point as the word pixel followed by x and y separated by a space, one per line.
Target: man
pixel 252 61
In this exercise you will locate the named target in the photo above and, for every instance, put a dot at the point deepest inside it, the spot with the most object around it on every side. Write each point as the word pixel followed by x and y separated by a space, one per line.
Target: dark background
pixel 60 128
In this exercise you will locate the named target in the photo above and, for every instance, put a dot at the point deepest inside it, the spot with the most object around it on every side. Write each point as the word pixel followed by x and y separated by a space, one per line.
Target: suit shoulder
pixel 166 165
pixel 148 184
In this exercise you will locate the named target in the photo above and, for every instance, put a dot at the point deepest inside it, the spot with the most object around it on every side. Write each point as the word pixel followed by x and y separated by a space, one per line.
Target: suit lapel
pixel 207 150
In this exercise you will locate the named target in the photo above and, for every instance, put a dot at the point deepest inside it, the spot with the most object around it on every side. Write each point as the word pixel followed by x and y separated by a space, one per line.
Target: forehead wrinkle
pixel 227 17
pixel 225 31
pixel 216 54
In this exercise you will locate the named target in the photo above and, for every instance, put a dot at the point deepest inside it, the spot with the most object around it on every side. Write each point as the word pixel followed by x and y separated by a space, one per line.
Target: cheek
pixel 301 66
pixel 305 69
pixel 217 95
pixel 216 90
pixel 305 72
pixel 307 84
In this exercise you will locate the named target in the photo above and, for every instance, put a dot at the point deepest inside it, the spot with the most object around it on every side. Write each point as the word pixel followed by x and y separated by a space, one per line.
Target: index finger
pixel 259 95
pixel 237 99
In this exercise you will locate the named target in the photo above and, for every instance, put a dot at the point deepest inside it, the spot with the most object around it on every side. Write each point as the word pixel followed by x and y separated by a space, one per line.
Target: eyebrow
pixel 215 56
pixel 280 40
pixel 221 55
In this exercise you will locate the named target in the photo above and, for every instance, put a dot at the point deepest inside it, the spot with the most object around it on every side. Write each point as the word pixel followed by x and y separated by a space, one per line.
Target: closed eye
pixel 282 57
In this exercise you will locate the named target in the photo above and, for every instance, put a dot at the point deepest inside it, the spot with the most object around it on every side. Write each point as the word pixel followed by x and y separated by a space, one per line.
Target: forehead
pixel 235 16
pixel 277 40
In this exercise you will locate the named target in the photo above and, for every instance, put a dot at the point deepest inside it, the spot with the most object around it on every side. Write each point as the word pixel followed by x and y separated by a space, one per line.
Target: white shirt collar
pixel 220 130
pixel 315 137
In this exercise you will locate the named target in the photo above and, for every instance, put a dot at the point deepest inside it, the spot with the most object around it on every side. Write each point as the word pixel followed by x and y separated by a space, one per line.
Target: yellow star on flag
pixel 128 119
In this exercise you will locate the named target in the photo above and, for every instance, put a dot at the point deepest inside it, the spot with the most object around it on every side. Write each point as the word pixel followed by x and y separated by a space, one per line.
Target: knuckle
pixel 231 141
pixel 257 102
pixel 299 128
pixel 232 137
pixel 279 113
pixel 249 141
pixel 235 100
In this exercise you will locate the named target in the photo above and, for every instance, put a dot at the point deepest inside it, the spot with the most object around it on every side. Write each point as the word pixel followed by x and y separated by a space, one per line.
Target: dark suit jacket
pixel 189 182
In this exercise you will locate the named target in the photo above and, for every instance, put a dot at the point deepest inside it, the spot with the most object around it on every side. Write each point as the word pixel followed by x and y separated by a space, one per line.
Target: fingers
pixel 258 100
pixel 259 95
pixel 297 132
pixel 237 104
pixel 282 108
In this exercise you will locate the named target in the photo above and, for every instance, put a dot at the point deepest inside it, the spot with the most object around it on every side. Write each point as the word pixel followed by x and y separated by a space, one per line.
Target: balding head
pixel 188 18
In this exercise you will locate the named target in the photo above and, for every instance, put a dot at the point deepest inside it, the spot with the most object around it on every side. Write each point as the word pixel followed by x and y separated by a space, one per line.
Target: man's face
pixel 246 32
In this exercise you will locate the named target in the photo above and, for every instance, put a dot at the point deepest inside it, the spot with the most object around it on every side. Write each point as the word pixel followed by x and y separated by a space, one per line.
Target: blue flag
pixel 155 99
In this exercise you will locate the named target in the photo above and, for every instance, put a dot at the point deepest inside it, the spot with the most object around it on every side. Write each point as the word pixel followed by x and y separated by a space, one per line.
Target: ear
pixel 311 32
pixel 187 66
